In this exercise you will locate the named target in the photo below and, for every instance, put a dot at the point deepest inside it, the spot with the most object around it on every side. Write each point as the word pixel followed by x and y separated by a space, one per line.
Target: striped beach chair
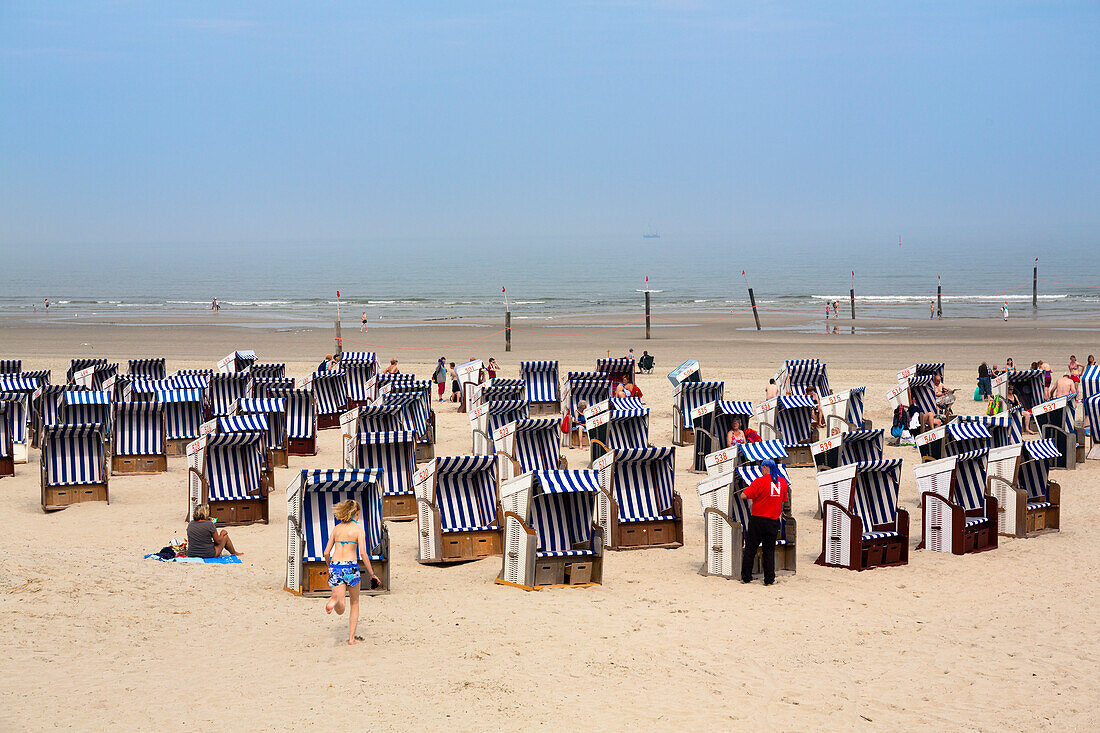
pixel 7 447
pixel 310 499
pixel 394 453
pixel 330 394
pixel 726 521
pixel 712 423
pixel 142 389
pixel 638 505
pixel 615 368
pixel 94 376
pixel 617 424
pixel 183 413
pixel 267 371
pixel 11 366
pixel 954 438
pixel 262 386
pixel 543 387
pixel 550 537
pixel 1090 395
pixel 798 375
pixel 588 387
pixel 44 408
pixel 151 368
pixel 301 420
pixel 726 460
pixel 223 390
pixel 1018 478
pixel 529 444
pixel 359 368
pixel 227 471
pixel 274 410
pixel 861 525
pixel 236 361
pixel 958 516
pixel 789 418
pixel 84 407
pixel 470 374
pixel 502 389
pixel 857 446
pixel 17 423
pixel 843 411
pixel 140 439
pixel 488 417
pixel 74 465
pixel 1005 428
pixel 458 510
pixel 1028 384
pixel 916 385
pixel 79 365
pixel 416 415
pixel 1056 420
pixel 686 398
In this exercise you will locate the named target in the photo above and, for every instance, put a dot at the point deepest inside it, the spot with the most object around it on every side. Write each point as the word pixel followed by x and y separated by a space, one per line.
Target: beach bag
pixel 896 432
pixel 996 405
pixel 977 394
pixel 565 424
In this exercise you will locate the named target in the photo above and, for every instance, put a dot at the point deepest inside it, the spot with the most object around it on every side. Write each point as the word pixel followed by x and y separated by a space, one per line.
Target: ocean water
pixel 545 279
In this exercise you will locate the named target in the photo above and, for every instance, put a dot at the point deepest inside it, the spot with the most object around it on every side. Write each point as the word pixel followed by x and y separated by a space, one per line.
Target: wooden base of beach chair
pixel 60 497
pixel 459 546
pixel 328 420
pixel 352 404
pixel 799 456
pixel 577 439
pixel 683 436
pixel 425 452
pixel 667 533
pixel 315 579
pixel 562 572
pixel 1042 521
pixel 138 465
pixel 301 446
pixel 883 554
pixel 399 507
pixel 7 466
pixel 542 409
pixel 19 452
pixel 178 446
pixel 236 513
pixel 279 457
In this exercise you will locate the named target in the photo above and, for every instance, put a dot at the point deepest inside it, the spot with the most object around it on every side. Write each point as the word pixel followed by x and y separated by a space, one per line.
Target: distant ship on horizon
pixel 651 233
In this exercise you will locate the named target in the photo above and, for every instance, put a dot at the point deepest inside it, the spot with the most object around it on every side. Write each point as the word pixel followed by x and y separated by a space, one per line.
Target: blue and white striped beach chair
pixel 789 418
pixel 311 498
pixel 267 371
pixel 862 525
pixel 687 397
pixel 857 446
pixel 638 504
pixel 798 375
pixel 958 516
pixel 17 423
pixel 262 386
pixel 229 471
pixel 301 420
pixel 223 390
pixel 915 386
pixel 359 368
pixel 11 366
pixel 1006 428
pixel 843 411
pixel 726 521
pixel 274 410
pixel 85 407
pixel 712 423
pixel 140 439
pixel 543 386
pixel 458 510
pixel 488 417
pixel 45 407
pixel 617 424
pixel 1056 420
pixel 550 535
pixel 394 453
pixel 588 387
pixel 236 361
pixel 1028 384
pixel 151 368
pixel 330 394
pixel 183 415
pixel 615 368
pixel 79 365
pixel 74 465
pixel 1018 478
pixel 1090 396
pixel 529 444
pixel 416 414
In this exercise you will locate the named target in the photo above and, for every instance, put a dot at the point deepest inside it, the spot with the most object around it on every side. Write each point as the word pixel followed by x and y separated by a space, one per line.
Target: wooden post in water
pixel 939 297
pixel 339 340
pixel 508 330
pixel 1035 285
pixel 647 315
pixel 755 314
pixel 852 296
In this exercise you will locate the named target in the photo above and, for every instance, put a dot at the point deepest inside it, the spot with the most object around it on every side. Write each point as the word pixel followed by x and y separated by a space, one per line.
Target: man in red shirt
pixel 767 494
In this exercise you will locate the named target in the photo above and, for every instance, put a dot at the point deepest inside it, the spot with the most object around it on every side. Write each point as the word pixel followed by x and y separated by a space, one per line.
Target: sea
pixel 543 279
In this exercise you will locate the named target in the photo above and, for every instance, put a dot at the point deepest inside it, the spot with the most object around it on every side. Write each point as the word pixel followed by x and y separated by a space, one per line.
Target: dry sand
pixel 96 637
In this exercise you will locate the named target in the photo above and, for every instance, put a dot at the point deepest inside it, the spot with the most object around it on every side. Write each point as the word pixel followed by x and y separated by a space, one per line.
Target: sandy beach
pixel 99 638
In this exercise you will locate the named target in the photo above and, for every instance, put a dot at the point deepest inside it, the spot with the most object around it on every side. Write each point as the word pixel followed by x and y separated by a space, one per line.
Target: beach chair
pixel 686 397
pixel 229 471
pixel 310 499
pixel 416 415
pixel 917 382
pixel 540 378
pixel 11 366
pixel 7 449
pixel 274 409
pixel 74 465
pixel 615 368
pixel 711 423
pixel 1028 384
pixel 798 375
pixel 151 368
pixel 223 390
pixel 727 460
pixel 488 417
pixel 726 521
pixel 359 369
pixel 183 414
pixel 236 361
pixel 330 395
pixel 1028 502
pixel 394 453
pixel 958 516
pixel 85 407
pixel 1005 428
pixel 389 383
pixel 94 376
pixel 301 420
pixel 588 387
pixel 262 386
pixel 503 389
pixel 140 439
pixel 843 411
pixel 861 525
pixel 45 408
pixel 789 418
pixel 470 374
pixel 638 505
pixel 140 389
pixel 529 444
pixel 550 538
pixel 1090 395
pixel 954 438
pixel 458 510
pixel 17 423
pixel 1056 419
pixel 617 424
pixel 689 371
pixel 267 371
pixel 857 446
pixel 79 365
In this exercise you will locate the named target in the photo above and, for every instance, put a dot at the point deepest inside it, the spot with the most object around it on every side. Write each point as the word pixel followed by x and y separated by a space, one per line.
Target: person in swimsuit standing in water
pixel 347 545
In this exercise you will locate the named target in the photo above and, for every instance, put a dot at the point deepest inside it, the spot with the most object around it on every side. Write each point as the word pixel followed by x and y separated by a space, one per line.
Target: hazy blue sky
pixel 138 122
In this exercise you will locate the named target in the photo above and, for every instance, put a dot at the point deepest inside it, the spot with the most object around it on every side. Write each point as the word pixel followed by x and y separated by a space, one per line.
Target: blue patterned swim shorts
pixel 343 572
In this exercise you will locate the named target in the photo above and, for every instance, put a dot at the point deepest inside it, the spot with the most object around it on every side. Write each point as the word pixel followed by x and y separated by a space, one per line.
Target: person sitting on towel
pixel 203 540
pixel 767 494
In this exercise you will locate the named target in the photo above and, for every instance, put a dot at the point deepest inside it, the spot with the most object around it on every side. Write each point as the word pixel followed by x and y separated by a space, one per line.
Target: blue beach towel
pixel 227 560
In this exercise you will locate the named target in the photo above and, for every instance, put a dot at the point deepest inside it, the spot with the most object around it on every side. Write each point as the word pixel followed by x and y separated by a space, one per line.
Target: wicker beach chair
pixel 638 505
pixel 1029 503
pixel 140 438
pixel 74 465
pixel 861 525
pixel 543 387
pixel 458 509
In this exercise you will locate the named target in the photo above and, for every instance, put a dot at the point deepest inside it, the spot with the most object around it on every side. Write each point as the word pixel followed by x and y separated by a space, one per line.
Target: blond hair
pixel 346 511
pixel 202 511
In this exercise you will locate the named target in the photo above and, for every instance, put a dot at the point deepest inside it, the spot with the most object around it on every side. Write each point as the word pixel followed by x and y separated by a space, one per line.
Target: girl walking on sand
pixel 347 546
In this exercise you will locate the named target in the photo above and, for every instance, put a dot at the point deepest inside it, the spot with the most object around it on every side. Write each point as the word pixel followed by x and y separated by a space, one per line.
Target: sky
pixel 837 125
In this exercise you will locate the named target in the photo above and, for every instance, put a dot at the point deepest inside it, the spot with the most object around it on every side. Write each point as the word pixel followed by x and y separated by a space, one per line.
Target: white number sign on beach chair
pixel 301 420
pixel 543 386
pixel 638 505
pixel 140 439
pixel 789 418
pixel 958 516
pixel 529 444
pixel 394 453
pixel 726 521
pixel 861 525
pixel 310 498
pixel 1028 502
pixel 617 424
pixel 458 509
pixel 17 423
pixel 686 398
pixel 183 413
pixel 1056 419
pixel 712 423
pixel 843 411
pixel 1090 395
pixel 230 472
pixel 74 465
pixel 550 536
pixel 151 368
pixel 236 361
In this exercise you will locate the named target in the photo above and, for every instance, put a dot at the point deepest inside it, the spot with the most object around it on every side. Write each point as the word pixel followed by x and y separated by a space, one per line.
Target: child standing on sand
pixel 347 545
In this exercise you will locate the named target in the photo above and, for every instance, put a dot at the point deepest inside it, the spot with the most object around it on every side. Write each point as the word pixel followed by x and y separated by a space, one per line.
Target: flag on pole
pixel 503 289
pixel 337 293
